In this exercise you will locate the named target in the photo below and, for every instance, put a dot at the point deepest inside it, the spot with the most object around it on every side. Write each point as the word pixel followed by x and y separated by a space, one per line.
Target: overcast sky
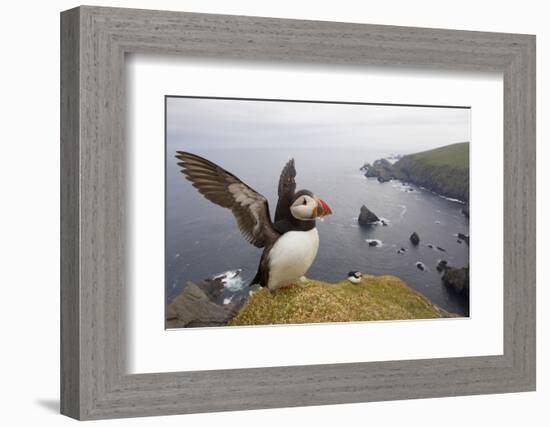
pixel 255 124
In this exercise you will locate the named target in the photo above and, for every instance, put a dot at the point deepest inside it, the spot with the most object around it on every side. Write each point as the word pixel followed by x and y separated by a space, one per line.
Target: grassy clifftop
pixel 454 156
pixel 445 170
pixel 312 301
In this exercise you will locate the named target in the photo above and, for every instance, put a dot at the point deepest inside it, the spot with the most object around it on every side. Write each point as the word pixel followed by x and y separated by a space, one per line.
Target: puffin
pixel 290 242
pixel 355 276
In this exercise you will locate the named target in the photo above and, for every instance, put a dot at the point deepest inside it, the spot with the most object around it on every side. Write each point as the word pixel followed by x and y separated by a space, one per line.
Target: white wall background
pixel 29 211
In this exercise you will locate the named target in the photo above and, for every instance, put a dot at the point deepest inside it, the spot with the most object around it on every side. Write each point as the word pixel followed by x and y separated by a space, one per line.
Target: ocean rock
pixel 457 279
pixel 381 169
pixel 194 306
pixel 439 248
pixel 441 265
pixel 373 243
pixel 464 237
pixel 213 288
pixel 420 266
pixel 401 251
pixel 415 239
pixel 366 216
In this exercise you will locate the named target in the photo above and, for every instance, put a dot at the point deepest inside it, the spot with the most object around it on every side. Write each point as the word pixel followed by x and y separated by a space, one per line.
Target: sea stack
pixel 366 216
pixel 457 279
pixel 441 265
pixel 415 239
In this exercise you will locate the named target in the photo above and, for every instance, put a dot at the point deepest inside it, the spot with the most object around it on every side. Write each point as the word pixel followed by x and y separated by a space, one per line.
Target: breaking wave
pixel 232 279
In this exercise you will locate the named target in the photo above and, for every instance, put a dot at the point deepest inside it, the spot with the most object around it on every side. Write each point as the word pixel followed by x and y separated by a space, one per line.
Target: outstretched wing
pixel 287 187
pixel 223 188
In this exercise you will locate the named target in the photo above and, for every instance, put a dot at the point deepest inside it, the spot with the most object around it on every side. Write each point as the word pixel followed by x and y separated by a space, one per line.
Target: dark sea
pixel 202 239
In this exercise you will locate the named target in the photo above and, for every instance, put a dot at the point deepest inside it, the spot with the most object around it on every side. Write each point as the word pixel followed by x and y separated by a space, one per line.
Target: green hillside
pixel 445 170
pixel 454 155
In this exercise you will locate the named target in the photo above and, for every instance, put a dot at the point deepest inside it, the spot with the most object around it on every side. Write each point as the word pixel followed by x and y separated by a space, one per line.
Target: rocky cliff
pixel 444 170
pixel 308 301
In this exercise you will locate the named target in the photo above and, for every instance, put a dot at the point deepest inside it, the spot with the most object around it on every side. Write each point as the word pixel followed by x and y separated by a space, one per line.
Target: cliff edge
pixel 313 301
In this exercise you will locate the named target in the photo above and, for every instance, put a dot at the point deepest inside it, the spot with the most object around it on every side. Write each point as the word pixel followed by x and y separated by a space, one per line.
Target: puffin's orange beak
pixel 323 209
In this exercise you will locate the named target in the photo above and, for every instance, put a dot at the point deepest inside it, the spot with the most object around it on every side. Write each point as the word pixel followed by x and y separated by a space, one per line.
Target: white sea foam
pixel 380 222
pixel 450 199
pixel 232 279
pixel 401 186
pixel 421 266
pixel 404 210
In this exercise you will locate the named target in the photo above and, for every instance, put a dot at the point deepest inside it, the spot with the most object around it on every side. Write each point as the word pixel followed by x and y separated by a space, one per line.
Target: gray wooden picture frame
pixel 94 41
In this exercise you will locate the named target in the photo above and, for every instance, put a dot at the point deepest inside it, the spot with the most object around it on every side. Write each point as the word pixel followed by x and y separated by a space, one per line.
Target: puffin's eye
pixel 304 202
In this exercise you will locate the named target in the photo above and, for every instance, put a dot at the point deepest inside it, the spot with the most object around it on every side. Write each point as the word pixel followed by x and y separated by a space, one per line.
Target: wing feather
pixel 286 190
pixel 221 187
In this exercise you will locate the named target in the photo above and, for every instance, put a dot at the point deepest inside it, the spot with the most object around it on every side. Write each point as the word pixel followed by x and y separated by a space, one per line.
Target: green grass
pixel 445 170
pixel 313 301
pixel 454 155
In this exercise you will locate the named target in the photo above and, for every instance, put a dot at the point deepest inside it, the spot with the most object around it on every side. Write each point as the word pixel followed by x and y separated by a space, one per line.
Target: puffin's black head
pixel 306 206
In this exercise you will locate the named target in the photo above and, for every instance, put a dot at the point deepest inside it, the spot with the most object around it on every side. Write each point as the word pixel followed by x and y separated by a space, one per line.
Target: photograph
pixel 286 212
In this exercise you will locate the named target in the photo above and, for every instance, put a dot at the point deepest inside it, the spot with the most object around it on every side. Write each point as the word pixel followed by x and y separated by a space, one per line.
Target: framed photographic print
pixel 291 191
pixel 322 140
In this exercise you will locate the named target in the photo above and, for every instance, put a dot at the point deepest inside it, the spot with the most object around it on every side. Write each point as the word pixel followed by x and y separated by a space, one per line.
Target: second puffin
pixel 290 242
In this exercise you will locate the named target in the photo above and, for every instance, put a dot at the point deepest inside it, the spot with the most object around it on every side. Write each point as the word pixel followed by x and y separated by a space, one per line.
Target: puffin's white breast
pixel 291 257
